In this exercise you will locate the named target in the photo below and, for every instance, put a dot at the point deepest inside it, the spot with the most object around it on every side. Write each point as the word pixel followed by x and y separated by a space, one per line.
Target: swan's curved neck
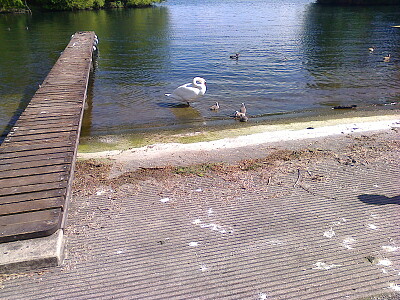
pixel 198 82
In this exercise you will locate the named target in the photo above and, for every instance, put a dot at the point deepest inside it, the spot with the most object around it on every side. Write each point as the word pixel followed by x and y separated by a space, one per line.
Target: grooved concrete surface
pixel 323 227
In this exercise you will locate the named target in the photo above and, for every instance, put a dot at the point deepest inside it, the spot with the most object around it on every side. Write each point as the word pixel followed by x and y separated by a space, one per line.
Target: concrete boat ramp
pixel 311 219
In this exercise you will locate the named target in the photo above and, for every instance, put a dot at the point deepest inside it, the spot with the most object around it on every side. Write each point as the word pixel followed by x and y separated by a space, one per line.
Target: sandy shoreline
pixel 262 140
pixel 261 134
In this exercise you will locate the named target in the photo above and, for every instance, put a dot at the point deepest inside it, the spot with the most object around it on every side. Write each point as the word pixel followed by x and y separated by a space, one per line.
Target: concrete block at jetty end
pixel 32 254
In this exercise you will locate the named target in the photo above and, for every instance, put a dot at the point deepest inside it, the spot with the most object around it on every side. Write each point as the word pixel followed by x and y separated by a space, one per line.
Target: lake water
pixel 295 57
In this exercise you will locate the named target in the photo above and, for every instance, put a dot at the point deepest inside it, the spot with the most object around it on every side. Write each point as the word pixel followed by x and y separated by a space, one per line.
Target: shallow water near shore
pixel 297 59
pixel 239 133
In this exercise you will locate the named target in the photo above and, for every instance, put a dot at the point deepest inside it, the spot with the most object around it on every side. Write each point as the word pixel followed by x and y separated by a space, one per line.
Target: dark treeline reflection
pixel 133 50
pixel 336 42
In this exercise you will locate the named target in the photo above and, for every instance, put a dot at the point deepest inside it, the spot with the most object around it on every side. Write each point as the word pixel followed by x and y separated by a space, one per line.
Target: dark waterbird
pixel 243 109
pixel 344 107
pixel 215 106
pixel 240 116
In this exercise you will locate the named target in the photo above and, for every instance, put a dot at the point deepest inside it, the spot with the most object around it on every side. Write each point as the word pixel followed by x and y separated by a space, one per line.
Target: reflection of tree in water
pixel 87 116
pixel 335 42
pixel 143 52
pixel 24 63
pixel 131 51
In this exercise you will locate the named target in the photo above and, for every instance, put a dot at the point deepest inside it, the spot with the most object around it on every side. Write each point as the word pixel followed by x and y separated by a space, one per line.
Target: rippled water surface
pixel 294 56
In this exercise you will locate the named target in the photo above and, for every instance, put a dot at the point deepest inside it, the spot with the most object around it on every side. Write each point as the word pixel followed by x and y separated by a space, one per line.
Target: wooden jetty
pixel 38 155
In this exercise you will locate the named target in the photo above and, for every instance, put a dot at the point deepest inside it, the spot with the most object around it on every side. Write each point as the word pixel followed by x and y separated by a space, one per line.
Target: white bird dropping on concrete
pixel 348 243
pixel 384 262
pixel 329 233
pixel 394 286
pixel 324 266
pixel 390 248
pixel 196 222
pixel 203 268
pixel 262 296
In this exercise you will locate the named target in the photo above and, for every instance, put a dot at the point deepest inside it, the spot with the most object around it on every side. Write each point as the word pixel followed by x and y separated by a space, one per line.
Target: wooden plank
pixel 50 97
pixel 43 119
pixel 20 141
pixel 46 112
pixel 63 85
pixel 34 171
pixel 47 88
pixel 41 103
pixel 39 136
pixel 44 124
pixel 6 183
pixel 45 95
pixel 67 117
pixel 32 188
pixel 6 148
pixel 53 105
pixel 47 115
pixel 28 217
pixel 58 96
pixel 71 80
pixel 30 225
pixel 33 205
pixel 54 193
pixel 45 105
pixel 55 102
pixel 46 118
pixel 26 131
pixel 36 161
pixel 44 141
pixel 27 153
pixel 40 117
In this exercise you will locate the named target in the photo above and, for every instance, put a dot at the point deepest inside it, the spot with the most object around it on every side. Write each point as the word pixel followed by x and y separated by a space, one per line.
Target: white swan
pixel 190 91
